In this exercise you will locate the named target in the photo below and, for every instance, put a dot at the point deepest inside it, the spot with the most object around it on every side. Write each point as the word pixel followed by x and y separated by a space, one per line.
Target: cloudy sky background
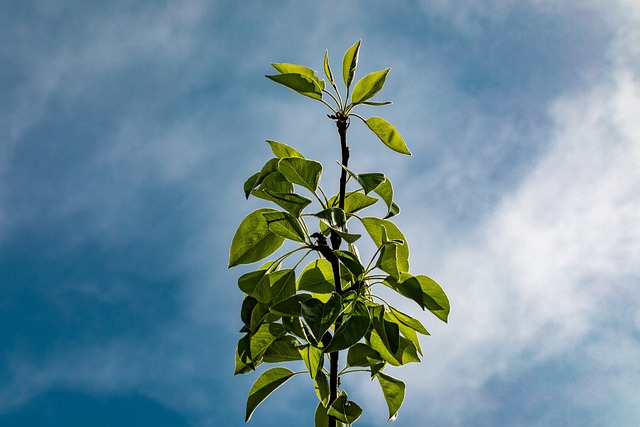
pixel 127 129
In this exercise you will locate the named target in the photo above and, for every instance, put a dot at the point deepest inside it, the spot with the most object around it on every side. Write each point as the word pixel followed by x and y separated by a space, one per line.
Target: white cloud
pixel 550 266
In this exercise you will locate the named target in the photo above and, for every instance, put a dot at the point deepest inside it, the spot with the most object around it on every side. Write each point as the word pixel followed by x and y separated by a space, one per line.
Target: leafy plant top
pixel 318 299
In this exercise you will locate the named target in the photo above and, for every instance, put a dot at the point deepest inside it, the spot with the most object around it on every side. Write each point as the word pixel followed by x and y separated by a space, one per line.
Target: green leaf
pixel 434 298
pixel 248 304
pixel 363 355
pixel 385 191
pixel 250 184
pixel 409 321
pixel 406 353
pixel 320 418
pixel 313 359
pixel 244 364
pixel 353 201
pixel 320 316
pixel 393 390
pixel 283 285
pixel 387 134
pixel 344 410
pixel 283 349
pixel 262 339
pixel 317 277
pixel 253 240
pixel 282 151
pixel 350 261
pixel 260 315
pixel 301 171
pixel 374 228
pixel 349 63
pixel 289 307
pixel 377 104
pixel 336 220
pixel 368 86
pixel 323 391
pixel 407 286
pixel 368 181
pixel 352 329
pixel 285 225
pixel 291 202
pixel 303 84
pixel 266 384
pixel 388 260
pixel 256 284
pixel 327 69
pixel 299 69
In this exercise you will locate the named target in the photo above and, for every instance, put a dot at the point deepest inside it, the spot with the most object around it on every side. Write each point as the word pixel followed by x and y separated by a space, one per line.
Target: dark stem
pixel 342 123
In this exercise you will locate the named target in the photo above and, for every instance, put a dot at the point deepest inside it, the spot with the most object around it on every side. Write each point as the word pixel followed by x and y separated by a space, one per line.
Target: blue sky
pixel 127 129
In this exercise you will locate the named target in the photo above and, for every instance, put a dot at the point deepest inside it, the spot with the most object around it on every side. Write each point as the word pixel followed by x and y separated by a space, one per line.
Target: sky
pixel 127 129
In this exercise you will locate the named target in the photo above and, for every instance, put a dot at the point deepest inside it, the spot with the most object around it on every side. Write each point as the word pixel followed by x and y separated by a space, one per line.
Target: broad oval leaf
pixel 344 409
pixel 264 336
pixel 393 390
pixel 283 285
pixel 283 349
pixel 317 277
pixel 282 151
pixel 368 86
pixel 323 391
pixel 362 354
pixel 349 63
pixel 352 329
pixel 244 364
pixel 409 321
pixel 350 261
pixel 291 202
pixel 266 384
pixel 406 353
pixel 374 227
pixel 253 240
pixel 320 316
pixel 387 134
pixel 434 298
pixel 301 171
pixel 289 307
pixel 303 84
pixel 256 284
pixel 286 225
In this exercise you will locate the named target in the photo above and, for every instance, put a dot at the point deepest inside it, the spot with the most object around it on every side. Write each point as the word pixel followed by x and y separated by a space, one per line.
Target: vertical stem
pixel 342 123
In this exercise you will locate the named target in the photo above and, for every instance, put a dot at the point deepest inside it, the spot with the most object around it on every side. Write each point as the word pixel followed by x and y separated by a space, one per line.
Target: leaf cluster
pixel 325 301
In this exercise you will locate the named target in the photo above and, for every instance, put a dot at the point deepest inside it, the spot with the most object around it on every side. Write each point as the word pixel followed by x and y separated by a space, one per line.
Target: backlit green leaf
pixel 291 202
pixel 253 240
pixel 344 410
pixel 409 321
pixel 289 307
pixel 349 63
pixel 321 385
pixel 286 225
pixel 320 316
pixel 263 338
pixel 363 355
pixel 244 364
pixel 434 297
pixel 283 285
pixel 387 134
pixel 350 261
pixel 250 184
pixel 327 69
pixel 303 84
pixel 368 86
pixel 256 284
pixel 282 151
pixel 354 201
pixel 352 329
pixel 301 171
pixel 266 384
pixel 406 353
pixel 317 277
pixel 283 349
pixel 393 390
pixel 373 226
pixel 385 191
pixel 313 359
